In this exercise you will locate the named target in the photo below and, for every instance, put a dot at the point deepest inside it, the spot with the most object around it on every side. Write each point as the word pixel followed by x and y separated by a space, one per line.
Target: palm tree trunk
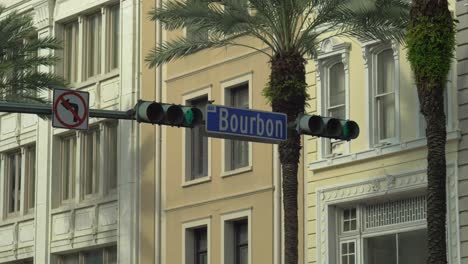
pixel 431 100
pixel 432 106
pixel 287 74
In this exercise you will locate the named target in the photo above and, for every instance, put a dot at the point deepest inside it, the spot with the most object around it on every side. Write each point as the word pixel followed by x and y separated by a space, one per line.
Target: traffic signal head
pixel 328 127
pixel 168 114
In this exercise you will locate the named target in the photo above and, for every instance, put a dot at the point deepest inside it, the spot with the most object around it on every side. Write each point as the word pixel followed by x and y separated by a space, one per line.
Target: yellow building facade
pixel 219 200
pixel 365 199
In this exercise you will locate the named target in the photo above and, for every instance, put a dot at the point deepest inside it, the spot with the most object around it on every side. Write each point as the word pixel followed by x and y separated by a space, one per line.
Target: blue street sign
pixel 245 124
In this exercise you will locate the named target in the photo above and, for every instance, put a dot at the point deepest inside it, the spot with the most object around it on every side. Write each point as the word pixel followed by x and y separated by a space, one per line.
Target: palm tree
pixel 20 79
pixel 431 42
pixel 292 30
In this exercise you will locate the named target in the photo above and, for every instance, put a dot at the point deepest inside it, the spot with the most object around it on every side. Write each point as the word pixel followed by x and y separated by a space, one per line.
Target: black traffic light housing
pixel 328 127
pixel 168 114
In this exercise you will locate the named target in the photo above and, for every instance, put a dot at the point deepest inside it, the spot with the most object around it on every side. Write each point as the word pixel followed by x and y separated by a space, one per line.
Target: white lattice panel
pixel 395 212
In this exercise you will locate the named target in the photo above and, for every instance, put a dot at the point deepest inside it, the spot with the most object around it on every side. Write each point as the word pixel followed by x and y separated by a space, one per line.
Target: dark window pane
pixel 93 257
pixel 381 250
pixel 412 247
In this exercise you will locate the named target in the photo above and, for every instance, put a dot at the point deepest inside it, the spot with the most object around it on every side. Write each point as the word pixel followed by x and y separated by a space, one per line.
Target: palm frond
pixel 371 19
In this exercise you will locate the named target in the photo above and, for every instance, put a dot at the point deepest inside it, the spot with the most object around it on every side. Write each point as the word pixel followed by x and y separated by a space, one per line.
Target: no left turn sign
pixel 70 109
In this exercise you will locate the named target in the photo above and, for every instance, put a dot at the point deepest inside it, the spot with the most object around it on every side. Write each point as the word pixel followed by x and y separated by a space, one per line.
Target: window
pixel 236 234
pixel 94 48
pixel 348 252
pixel 113 38
pixel 376 237
pixel 200 250
pixel 384 97
pixel 20 173
pixel 68 167
pixel 13 175
pixel 197 145
pixel 70 52
pixel 196 242
pixel 335 104
pixel 106 255
pixel 242 242
pixel 91 161
pixel 403 248
pixel 111 154
pixel 237 152
pixel 30 174
pixel 349 219
pixel 93 164
pixel 93 45
pixel 236 242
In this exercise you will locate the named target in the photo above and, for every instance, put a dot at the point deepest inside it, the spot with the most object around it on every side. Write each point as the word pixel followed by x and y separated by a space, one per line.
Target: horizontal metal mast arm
pixel 45 109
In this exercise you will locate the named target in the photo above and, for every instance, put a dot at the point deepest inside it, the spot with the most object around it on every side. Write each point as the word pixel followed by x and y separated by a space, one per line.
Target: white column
pixel 44 162
pixel 128 150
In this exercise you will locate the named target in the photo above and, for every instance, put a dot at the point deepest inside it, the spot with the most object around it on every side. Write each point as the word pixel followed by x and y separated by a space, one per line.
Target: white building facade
pixel 71 196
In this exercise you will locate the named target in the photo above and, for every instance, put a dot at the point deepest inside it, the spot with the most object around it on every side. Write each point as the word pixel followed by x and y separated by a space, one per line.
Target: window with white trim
pixel 107 255
pixel 196 245
pixel 110 145
pixel 30 177
pixel 91 161
pixel 335 103
pixel 236 231
pixel 70 52
pixel 382 68
pixel 13 176
pixel 384 96
pixel 68 156
pixel 372 233
pixel 112 47
pixel 196 242
pixel 237 151
pixel 92 49
pixel 197 145
pixel 20 173
pixel 88 159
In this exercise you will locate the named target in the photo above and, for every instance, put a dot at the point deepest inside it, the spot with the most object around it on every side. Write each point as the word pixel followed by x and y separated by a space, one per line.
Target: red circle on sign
pixel 80 119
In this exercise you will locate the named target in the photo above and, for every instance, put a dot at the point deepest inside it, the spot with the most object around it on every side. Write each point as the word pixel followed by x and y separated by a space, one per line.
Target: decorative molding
pixel 43 15
pixel 378 187
pixel 375 152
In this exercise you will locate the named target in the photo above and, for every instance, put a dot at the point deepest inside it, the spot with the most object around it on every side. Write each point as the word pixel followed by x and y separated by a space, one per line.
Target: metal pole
pixel 46 109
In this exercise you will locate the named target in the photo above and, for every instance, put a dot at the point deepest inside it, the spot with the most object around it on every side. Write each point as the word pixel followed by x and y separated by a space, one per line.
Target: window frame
pixel 188 242
pixel 332 51
pixel 24 177
pixel 19 179
pixel 71 188
pixel 107 147
pixel 361 233
pixel 228 237
pixel 226 86
pixel 371 52
pixel 79 65
pixel 96 171
pixel 108 26
pixel 87 46
pixel 71 68
pixel 186 150
pixel 30 178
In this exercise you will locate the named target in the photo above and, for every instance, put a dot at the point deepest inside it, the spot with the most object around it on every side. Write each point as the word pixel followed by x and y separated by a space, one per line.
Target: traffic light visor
pixel 350 129
pixel 150 112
